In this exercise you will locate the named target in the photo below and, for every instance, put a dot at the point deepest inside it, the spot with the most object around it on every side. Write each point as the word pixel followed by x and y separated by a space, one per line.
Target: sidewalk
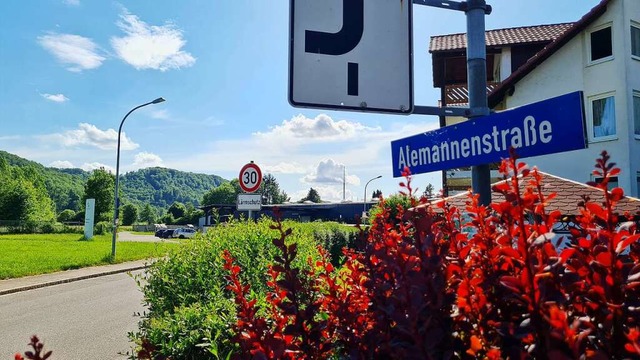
pixel 10 286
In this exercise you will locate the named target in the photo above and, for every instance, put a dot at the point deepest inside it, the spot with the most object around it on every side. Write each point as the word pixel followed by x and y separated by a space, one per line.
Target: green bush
pixel 391 204
pixel 102 227
pixel 186 294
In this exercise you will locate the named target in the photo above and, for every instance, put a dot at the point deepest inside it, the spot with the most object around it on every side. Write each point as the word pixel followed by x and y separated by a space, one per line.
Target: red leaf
pixel 617 194
pixel 604 258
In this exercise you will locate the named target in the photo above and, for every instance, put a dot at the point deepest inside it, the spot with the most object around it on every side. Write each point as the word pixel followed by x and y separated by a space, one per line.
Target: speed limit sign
pixel 250 177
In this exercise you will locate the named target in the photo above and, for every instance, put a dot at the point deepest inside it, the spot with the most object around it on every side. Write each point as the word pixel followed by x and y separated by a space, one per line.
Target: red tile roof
pixel 568 196
pixel 502 37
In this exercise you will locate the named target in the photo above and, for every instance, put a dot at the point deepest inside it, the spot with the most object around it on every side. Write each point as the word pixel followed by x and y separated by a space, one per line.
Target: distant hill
pixel 157 186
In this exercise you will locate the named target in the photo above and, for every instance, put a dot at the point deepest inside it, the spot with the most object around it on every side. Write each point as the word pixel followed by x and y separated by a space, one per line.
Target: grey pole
pixel 115 196
pixel 364 211
pixel 477 84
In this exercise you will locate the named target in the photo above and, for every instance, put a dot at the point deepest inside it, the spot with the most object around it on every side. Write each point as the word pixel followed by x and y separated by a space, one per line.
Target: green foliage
pixel 23 195
pixel 129 214
pixel 429 191
pixel 100 186
pixel 226 193
pixel 391 204
pixel 161 187
pixel 177 209
pixel 64 186
pixel 148 215
pixel 66 215
pixel 102 227
pixel 158 187
pixel 270 190
pixel 312 196
pixel 180 287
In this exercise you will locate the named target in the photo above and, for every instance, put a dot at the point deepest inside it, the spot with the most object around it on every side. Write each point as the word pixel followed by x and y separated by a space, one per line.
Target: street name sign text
pixel 550 126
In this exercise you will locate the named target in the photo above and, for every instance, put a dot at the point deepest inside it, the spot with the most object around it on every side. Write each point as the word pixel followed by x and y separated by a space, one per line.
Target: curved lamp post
pixel 116 202
pixel 364 211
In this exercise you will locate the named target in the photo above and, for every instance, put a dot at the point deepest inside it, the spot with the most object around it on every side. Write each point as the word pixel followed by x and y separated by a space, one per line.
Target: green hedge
pixel 185 292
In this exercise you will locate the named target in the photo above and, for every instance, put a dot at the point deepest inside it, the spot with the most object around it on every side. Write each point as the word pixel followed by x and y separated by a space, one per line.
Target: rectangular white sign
pixel 249 202
pixel 89 216
pixel 351 55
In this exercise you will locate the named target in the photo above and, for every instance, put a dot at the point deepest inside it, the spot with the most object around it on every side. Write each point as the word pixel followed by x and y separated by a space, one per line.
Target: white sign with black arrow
pixel 351 55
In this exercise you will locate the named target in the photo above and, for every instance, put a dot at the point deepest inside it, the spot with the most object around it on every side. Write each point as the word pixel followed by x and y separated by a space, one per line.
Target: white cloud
pixel 327 193
pixel 285 168
pixel 96 165
pixel 146 159
pixel 79 53
pixel 149 46
pixel 71 2
pixel 322 127
pixel 330 172
pixel 59 98
pixel 62 164
pixel 90 135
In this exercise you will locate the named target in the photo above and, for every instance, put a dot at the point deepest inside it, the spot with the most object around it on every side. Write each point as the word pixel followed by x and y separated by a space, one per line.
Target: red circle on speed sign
pixel 250 177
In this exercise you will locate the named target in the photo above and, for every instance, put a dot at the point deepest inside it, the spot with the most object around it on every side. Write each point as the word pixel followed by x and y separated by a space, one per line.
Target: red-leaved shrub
pixel 437 282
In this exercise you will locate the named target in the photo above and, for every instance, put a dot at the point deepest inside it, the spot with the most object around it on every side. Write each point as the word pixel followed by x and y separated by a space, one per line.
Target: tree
pixel 100 186
pixel 376 194
pixel 129 214
pixel 312 196
pixel 66 215
pixel 428 191
pixel 223 194
pixel 148 215
pixel 23 195
pixel 177 209
pixel 271 193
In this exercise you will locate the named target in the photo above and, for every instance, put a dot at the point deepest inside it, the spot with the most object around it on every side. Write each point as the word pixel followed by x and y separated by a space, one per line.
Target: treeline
pixel 151 192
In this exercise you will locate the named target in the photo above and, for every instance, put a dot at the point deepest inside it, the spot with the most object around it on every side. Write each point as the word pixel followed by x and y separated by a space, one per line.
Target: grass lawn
pixel 22 255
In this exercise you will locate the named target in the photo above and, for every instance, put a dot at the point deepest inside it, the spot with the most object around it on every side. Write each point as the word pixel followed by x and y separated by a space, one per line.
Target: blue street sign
pixel 546 127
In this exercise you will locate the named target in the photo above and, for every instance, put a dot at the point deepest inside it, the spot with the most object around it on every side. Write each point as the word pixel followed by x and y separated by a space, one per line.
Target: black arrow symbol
pixel 344 40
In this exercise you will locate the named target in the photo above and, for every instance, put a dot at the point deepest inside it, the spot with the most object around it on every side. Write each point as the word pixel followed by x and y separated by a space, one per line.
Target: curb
pixel 68 280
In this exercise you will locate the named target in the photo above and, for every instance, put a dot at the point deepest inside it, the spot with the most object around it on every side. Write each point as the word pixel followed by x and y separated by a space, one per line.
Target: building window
pixel 635 40
pixel 603 118
pixel 613 182
pixel 601 44
pixel 638 184
pixel 636 113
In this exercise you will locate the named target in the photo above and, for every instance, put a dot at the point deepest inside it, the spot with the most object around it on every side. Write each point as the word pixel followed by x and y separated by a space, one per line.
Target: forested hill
pixel 159 187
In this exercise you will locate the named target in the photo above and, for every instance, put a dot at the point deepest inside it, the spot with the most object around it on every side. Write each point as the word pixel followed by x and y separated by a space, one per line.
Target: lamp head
pixel 158 100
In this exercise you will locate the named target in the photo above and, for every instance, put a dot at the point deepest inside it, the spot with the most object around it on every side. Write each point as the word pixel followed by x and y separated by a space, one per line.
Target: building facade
pixel 598 55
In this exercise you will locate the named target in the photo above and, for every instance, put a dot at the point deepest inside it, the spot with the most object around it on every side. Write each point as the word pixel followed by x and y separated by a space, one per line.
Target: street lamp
pixel 364 211
pixel 116 202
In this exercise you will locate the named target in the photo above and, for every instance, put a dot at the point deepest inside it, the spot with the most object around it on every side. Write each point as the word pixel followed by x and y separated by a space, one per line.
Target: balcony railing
pixel 459 94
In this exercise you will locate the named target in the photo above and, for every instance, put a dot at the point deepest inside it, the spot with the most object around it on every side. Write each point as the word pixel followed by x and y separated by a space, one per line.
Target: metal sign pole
pixel 477 84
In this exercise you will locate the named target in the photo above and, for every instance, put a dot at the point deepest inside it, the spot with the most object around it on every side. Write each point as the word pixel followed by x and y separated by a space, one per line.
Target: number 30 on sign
pixel 250 177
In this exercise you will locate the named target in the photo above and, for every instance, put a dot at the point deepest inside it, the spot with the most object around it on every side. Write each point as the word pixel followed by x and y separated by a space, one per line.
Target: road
pixel 86 319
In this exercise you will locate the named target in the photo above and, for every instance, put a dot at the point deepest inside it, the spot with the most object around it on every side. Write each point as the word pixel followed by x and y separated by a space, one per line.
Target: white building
pixel 599 55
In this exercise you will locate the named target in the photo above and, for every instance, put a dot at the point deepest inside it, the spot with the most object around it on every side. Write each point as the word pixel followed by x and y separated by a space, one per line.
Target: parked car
pixel 167 233
pixel 183 233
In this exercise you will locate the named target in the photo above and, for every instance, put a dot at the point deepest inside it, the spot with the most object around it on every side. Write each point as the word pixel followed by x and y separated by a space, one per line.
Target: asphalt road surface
pixel 86 319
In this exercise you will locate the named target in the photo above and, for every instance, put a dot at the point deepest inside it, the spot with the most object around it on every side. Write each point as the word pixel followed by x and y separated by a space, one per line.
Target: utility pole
pixel 344 182
pixel 477 84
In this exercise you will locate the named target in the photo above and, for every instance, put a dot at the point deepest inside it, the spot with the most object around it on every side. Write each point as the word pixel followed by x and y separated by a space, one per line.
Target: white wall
pixel 568 70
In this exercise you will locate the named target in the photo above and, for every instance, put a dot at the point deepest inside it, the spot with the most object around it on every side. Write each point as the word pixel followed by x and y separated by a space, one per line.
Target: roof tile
pixel 502 37
pixel 568 195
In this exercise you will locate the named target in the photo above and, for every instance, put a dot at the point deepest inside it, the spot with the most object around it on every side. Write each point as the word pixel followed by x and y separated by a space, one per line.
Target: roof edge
pixel 498 94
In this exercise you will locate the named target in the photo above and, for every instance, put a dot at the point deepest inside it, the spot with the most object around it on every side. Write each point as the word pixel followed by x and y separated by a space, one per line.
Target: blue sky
pixel 71 69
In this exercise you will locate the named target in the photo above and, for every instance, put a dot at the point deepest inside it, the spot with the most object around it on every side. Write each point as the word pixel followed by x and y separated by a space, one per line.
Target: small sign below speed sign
pixel 250 177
